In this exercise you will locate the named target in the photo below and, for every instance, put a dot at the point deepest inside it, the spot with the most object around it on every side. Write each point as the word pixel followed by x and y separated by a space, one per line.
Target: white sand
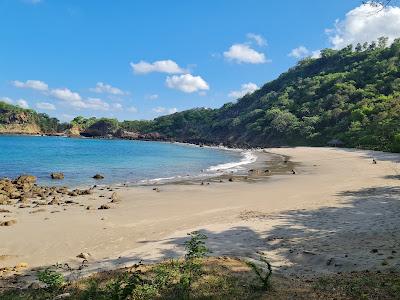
pixel 326 218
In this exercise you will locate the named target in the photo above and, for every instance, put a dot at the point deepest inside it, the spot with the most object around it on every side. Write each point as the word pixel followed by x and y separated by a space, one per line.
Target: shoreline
pixel 317 221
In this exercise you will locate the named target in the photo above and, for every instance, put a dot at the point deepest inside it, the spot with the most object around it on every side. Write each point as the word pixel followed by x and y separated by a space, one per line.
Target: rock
pixel 105 206
pixel 8 223
pixel 62 296
pixel 98 176
pixel 55 201
pixel 84 255
pixel 4 210
pixel 21 265
pixel 25 179
pixel 4 200
pixel 374 251
pixel 230 179
pixel 89 207
pixel 115 198
pixel 57 176
pixel 34 286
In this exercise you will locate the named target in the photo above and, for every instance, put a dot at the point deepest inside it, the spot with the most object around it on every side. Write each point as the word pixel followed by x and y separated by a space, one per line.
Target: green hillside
pixel 351 94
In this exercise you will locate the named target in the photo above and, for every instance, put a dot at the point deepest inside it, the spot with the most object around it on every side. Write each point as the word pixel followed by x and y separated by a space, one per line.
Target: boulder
pixel 98 176
pixel 115 198
pixel 25 179
pixel 4 200
pixel 105 206
pixel 57 175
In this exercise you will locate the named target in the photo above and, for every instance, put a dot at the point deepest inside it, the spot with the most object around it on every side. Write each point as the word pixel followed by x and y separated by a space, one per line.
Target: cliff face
pixel 18 123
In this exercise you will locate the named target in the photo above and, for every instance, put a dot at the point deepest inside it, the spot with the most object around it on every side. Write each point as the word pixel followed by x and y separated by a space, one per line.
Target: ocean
pixel 120 161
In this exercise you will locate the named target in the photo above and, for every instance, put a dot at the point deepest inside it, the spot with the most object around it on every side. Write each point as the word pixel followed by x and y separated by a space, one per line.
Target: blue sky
pixel 140 59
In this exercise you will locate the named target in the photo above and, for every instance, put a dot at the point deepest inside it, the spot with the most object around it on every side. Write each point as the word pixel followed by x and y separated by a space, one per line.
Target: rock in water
pixel 98 176
pixel 57 176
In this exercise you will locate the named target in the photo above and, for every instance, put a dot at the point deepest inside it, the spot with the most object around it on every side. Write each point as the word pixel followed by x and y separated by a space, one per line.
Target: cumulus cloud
pixel 31 84
pixel 299 52
pixel 257 38
pixel 246 88
pixel 22 103
pixel 187 83
pixel 117 106
pixel 161 66
pixel 105 88
pixel 163 110
pixel 45 106
pixel 242 53
pixel 66 95
pixel 132 109
pixel 92 103
pixel 365 23
pixel 6 100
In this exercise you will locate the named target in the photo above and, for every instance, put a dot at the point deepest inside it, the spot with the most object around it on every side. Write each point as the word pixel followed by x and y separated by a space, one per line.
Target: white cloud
pixel 22 103
pixel 45 105
pixel 242 53
pixel 316 54
pixel 32 84
pixel 187 83
pixel 259 39
pixel 299 52
pixel 117 106
pixel 246 88
pixel 66 95
pixel 6 100
pixel 92 103
pixel 365 23
pixel 133 109
pixel 107 89
pixel 161 66
pixel 163 110
pixel 152 97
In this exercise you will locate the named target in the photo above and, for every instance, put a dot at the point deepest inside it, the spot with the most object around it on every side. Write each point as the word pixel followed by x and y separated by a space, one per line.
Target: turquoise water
pixel 120 161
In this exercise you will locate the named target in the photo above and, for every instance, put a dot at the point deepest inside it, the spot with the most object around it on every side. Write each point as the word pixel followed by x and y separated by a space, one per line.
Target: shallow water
pixel 120 161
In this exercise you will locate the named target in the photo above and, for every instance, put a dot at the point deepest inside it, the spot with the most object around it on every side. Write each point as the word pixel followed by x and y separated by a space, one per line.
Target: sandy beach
pixel 339 212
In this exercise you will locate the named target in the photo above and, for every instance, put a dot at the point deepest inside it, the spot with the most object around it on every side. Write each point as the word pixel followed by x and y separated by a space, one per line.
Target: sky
pixel 146 58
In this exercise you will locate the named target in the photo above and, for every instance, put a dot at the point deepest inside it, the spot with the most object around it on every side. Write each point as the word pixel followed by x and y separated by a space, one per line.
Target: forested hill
pixel 352 95
pixel 17 120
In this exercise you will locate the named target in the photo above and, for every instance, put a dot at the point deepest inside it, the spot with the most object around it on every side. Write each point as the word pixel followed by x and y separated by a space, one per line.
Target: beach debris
pixel 156 189
pixel 84 255
pixel 57 175
pixel 374 161
pixel 89 207
pixel 115 198
pixel 104 206
pixel 98 176
pixel 4 210
pixel 293 172
pixel 8 223
pixel 37 211
pixel 230 179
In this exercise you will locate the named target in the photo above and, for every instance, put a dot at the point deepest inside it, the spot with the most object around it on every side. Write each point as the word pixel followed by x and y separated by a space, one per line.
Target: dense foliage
pixel 350 94
pixel 10 114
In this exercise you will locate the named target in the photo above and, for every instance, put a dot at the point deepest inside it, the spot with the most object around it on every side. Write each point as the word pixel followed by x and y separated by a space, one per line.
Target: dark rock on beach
pixel 98 176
